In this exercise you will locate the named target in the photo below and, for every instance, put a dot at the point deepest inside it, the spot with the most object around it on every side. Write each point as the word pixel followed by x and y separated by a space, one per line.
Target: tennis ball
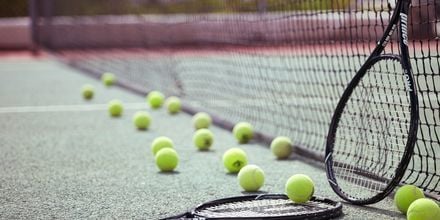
pixel 108 79
pixel 234 159
pixel 405 195
pixel 203 139
pixel 201 120
pixel 251 178
pixel 243 132
pixel 173 105
pixel 300 188
pixel 161 142
pixel 155 99
pixel 115 108
pixel 167 159
pixel 87 92
pixel 142 120
pixel 423 209
pixel 281 147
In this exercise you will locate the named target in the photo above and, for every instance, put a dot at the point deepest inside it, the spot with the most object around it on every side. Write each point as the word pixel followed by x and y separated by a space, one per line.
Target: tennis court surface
pixel 63 157
pixel 282 66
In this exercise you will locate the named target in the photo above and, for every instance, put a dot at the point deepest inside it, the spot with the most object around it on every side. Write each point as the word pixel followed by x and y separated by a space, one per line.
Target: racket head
pixel 373 132
pixel 265 206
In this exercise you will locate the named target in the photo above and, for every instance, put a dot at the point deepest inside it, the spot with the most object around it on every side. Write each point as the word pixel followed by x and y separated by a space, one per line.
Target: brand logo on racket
pixel 404 26
pixel 408 84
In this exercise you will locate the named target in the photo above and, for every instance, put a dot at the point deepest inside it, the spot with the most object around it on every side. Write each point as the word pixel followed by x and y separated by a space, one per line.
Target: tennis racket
pixel 374 127
pixel 266 206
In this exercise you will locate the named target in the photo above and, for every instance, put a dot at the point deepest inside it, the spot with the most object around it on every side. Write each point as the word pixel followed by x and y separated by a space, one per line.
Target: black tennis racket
pixel 374 127
pixel 266 206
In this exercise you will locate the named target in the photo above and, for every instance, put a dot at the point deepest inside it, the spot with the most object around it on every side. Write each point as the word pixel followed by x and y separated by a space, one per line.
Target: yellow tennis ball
pixel 405 195
pixel 142 120
pixel 167 159
pixel 203 139
pixel 155 99
pixel 243 132
pixel 87 92
pixel 201 120
pixel 115 108
pixel 423 209
pixel 281 147
pixel 108 79
pixel 251 178
pixel 160 143
pixel 173 105
pixel 300 188
pixel 234 159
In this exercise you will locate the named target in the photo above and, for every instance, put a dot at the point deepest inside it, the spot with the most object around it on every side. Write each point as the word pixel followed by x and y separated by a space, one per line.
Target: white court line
pixel 67 108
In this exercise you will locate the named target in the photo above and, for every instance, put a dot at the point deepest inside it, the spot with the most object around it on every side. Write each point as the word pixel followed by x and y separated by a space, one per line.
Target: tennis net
pixel 281 65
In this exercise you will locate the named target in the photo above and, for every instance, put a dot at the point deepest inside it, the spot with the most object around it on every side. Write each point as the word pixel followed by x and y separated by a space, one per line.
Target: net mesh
pixel 281 65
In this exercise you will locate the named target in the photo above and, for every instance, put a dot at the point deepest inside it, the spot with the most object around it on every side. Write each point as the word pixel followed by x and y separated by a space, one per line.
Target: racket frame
pixel 324 214
pixel 399 20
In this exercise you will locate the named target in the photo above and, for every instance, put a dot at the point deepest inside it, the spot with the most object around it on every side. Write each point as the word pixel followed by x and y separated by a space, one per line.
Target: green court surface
pixel 63 157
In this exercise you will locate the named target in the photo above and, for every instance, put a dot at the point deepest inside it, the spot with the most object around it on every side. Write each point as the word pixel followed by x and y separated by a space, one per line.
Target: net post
pixel 34 25
pixel 47 14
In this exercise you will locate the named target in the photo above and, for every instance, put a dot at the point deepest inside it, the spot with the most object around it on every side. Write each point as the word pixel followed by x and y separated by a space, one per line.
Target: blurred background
pixel 17 17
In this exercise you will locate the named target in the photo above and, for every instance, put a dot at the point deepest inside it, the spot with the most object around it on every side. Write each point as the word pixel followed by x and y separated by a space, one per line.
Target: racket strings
pixel 372 131
pixel 263 208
